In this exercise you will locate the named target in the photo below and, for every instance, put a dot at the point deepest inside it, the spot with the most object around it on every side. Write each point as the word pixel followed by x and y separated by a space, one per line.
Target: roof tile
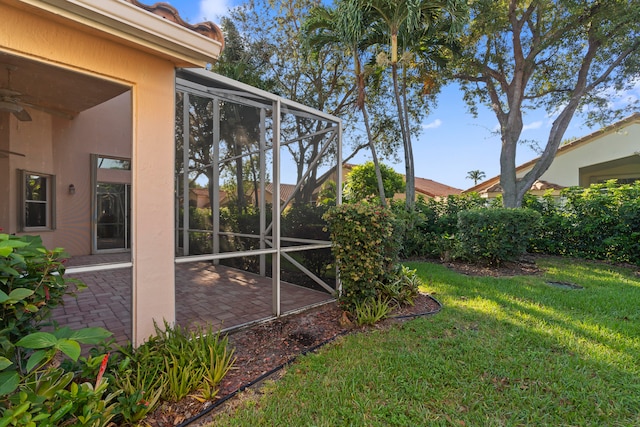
pixel 166 11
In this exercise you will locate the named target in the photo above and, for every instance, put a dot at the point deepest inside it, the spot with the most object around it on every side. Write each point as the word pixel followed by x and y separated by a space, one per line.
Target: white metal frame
pixel 206 84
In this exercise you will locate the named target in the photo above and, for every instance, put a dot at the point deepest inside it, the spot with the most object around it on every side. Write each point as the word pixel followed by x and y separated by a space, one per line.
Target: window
pixel 37 203
pixel 113 163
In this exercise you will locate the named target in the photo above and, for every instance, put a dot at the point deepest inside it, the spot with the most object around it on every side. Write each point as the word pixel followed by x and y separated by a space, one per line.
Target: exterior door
pixel 113 216
pixel 111 204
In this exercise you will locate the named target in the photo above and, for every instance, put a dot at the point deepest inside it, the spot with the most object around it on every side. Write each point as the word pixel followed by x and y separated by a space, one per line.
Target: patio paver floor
pixel 205 294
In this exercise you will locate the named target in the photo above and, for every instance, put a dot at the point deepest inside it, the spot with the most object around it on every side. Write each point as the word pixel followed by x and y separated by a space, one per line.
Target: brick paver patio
pixel 205 294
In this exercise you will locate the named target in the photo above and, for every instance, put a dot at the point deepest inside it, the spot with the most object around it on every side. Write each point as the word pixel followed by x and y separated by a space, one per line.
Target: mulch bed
pixel 263 347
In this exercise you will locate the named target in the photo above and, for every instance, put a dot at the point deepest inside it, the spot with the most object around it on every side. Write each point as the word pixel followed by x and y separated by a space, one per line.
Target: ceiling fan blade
pixel 5 153
pixel 22 115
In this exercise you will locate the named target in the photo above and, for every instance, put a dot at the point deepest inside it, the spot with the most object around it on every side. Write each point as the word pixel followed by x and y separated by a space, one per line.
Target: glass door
pixel 113 216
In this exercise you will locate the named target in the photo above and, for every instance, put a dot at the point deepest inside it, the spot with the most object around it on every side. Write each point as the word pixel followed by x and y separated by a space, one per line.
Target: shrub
pixel 33 390
pixel 495 235
pixel 603 221
pixel 362 183
pixel 551 237
pixel 32 283
pixel 174 363
pixel 364 248
pixel 401 289
pixel 371 311
pixel 417 228
pixel 599 222
pixel 426 230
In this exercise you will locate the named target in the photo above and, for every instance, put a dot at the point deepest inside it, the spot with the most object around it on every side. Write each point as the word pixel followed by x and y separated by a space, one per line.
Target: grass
pixel 503 352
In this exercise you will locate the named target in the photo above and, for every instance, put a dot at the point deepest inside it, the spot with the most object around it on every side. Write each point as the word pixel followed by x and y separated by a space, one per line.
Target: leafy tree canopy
pixel 565 56
pixel 361 182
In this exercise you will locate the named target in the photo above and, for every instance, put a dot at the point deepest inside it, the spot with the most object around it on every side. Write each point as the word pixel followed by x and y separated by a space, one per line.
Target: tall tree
pixel 475 175
pixel 274 27
pixel 405 28
pixel 239 125
pixel 345 26
pixel 565 56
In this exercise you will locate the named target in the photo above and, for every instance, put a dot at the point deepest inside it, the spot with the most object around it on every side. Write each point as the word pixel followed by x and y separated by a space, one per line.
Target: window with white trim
pixel 37 201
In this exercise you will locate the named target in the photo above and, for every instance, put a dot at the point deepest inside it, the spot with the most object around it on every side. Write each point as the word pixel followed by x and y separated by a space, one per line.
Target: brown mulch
pixel 263 347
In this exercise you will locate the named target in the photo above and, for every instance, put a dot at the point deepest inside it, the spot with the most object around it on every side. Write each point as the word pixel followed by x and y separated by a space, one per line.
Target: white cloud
pixel 533 125
pixel 433 125
pixel 212 10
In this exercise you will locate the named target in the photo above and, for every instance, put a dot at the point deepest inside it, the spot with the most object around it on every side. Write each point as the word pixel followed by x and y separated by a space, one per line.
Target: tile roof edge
pixel 170 13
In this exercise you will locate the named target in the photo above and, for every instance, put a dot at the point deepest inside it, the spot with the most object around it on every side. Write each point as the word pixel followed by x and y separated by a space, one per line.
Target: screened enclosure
pixel 254 175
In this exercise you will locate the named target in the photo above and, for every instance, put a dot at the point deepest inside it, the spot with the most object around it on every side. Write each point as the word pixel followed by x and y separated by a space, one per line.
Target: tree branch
pixel 635 46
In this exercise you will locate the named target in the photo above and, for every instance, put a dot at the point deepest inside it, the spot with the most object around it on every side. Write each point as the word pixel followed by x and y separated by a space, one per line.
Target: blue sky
pixel 453 142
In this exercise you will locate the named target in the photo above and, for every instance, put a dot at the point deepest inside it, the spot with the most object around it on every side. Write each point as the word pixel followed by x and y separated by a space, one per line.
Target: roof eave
pixel 135 25
pixel 635 117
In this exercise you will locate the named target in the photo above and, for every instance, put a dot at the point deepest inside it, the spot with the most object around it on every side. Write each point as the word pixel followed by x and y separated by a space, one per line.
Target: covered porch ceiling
pixel 50 88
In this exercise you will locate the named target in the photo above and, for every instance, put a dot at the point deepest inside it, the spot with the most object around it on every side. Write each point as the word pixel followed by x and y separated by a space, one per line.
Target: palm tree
pixel 345 27
pixel 475 175
pixel 404 25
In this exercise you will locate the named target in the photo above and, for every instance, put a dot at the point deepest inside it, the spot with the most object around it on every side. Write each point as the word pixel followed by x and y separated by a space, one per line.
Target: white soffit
pixel 130 22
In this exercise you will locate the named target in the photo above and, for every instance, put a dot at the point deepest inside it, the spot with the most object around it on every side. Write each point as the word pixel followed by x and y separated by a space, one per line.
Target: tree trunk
pixel 411 171
pixel 513 191
pixel 508 171
pixel 408 152
pixel 365 116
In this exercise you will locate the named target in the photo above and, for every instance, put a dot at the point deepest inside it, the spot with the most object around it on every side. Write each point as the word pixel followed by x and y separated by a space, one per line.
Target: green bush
pixel 551 237
pixel 603 221
pixel 32 283
pixel 371 311
pixel 401 289
pixel 426 230
pixel 34 391
pixel 417 228
pixel 495 235
pixel 599 222
pixel 364 247
pixel 362 183
pixel 174 363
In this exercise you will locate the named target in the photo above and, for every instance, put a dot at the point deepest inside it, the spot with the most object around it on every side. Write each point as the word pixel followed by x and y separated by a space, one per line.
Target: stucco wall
pixel 43 37
pixel 33 141
pixel 104 130
pixel 610 146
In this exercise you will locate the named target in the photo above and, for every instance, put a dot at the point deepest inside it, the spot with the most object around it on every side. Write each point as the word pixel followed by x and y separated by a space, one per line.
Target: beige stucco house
pixel 612 152
pixel 87 115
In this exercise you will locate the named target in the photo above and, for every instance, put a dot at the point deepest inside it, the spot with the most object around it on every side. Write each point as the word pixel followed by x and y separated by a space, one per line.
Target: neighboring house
pixel 199 198
pixel 433 189
pixel 612 152
pixel 87 122
pixel 286 193
pixel 539 188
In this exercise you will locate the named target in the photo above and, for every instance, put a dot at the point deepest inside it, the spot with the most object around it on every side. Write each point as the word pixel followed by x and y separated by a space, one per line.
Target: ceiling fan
pixel 10 100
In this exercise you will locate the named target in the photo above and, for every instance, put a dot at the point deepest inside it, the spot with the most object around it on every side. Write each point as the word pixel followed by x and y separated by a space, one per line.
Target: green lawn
pixel 502 352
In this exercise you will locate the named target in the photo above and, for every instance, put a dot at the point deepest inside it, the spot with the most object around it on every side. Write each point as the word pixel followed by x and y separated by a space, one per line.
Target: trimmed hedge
pixel 599 222
pixel 427 230
pixel 495 235
pixel 365 249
